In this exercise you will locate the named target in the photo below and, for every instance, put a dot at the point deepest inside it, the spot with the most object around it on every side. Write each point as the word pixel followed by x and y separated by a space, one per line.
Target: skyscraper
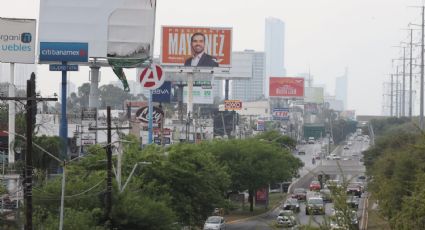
pixel 274 47
pixel 251 89
pixel 341 87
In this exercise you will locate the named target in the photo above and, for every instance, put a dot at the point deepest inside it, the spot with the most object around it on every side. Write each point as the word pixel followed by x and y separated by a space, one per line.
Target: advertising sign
pixel 280 114
pixel 287 87
pixel 261 125
pixel 57 67
pixel 181 43
pixel 143 114
pixel 63 51
pixel 314 95
pixel 261 196
pixel 232 105
pixel 152 77
pixel 163 93
pixel 17 40
pixel 200 95
pixel 112 28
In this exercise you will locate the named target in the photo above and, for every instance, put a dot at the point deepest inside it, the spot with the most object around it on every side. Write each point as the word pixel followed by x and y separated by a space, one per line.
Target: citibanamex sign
pixel 232 104
pixel 143 115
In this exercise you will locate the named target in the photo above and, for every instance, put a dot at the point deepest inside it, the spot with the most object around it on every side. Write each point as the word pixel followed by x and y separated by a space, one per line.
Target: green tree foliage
pixel 276 136
pixel 397 165
pixel 113 96
pixel 194 180
pixel 83 94
pixel 254 164
pixel 341 128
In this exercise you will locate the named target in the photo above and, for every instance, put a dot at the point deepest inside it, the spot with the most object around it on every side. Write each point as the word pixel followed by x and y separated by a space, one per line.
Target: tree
pixel 113 96
pixel 83 94
pixel 192 178
pixel 254 164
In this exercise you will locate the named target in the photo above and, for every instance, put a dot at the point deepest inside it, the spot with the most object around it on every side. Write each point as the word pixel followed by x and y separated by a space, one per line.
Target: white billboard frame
pixel 132 28
pixel 18 31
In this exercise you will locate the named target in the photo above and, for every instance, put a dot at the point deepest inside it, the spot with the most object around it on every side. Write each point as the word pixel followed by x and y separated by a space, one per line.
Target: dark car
pixel 354 189
pixel 315 205
pixel 301 152
pixel 353 201
pixel 299 194
pixel 291 204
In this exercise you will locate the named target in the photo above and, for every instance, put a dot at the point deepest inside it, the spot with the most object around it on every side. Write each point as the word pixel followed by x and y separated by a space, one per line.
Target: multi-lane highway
pixel 347 168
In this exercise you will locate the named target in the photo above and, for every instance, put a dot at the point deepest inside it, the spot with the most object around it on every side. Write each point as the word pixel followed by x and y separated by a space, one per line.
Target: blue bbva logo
pixel 26 37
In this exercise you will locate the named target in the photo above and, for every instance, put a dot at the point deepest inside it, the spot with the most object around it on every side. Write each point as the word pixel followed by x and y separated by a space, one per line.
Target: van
pixel 311 140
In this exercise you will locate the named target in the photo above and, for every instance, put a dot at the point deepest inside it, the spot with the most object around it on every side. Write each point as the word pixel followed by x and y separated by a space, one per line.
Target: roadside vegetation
pixel 396 167
pixel 181 185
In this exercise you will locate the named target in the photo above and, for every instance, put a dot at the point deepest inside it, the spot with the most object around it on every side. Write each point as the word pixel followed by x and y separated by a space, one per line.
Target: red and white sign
pixel 152 77
pixel 289 87
pixel 232 104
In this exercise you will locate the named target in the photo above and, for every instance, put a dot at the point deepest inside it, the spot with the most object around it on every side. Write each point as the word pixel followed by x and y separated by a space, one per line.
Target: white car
pixel 215 223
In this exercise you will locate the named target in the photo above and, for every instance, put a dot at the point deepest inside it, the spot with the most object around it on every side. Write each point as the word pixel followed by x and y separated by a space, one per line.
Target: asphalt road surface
pixel 349 167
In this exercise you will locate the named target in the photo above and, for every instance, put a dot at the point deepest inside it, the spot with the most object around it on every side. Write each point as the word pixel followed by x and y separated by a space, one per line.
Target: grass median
pixel 242 212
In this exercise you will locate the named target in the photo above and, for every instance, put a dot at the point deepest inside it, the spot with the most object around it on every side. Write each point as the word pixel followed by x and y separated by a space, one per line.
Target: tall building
pixel 251 89
pixel 341 88
pixel 274 47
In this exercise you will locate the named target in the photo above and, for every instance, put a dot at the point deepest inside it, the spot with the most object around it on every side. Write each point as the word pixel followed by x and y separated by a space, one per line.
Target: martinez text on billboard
pixel 177 47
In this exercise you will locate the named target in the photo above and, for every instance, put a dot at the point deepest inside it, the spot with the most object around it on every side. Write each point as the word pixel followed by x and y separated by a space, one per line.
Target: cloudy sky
pixel 323 36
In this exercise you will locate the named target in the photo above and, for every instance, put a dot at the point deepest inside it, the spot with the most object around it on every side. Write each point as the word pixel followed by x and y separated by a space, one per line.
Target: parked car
pixel 346 147
pixel 301 152
pixel 291 204
pixel 215 223
pixel 315 205
pixel 315 186
pixel 299 194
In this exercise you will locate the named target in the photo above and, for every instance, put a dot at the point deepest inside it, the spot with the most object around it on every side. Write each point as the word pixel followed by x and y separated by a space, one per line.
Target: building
pixel 341 88
pixel 274 47
pixel 250 89
pixel 334 104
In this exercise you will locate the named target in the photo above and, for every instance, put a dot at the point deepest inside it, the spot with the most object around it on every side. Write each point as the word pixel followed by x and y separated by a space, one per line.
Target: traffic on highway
pixel 330 192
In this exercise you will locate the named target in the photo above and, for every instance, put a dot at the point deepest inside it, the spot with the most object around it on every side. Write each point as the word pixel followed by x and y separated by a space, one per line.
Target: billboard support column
pixel 150 120
pixel 94 86
pixel 63 128
pixel 189 93
pixel 12 114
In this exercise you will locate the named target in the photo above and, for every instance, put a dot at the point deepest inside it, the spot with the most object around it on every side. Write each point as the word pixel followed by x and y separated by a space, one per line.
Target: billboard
pixel 163 93
pixel 112 28
pixel 281 114
pixel 17 40
pixel 63 51
pixel 286 87
pixel 232 104
pixel 200 95
pixel 196 46
pixel 314 95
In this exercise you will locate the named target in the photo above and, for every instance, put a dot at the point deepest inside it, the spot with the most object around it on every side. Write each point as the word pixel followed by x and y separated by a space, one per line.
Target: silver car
pixel 215 223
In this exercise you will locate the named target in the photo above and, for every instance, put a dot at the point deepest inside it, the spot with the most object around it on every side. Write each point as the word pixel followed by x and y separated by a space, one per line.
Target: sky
pixel 322 37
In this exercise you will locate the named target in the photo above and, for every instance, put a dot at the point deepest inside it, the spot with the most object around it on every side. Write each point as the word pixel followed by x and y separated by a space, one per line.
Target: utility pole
pixel 421 107
pixel 392 95
pixel 410 75
pixel 403 100
pixel 28 154
pixel 108 198
pixel 31 109
pixel 397 94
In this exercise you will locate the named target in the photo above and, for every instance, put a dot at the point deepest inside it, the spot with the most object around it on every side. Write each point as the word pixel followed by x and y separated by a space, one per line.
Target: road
pixel 349 167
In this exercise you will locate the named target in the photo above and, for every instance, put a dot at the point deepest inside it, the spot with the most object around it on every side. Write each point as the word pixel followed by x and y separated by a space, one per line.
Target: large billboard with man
pixel 196 46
